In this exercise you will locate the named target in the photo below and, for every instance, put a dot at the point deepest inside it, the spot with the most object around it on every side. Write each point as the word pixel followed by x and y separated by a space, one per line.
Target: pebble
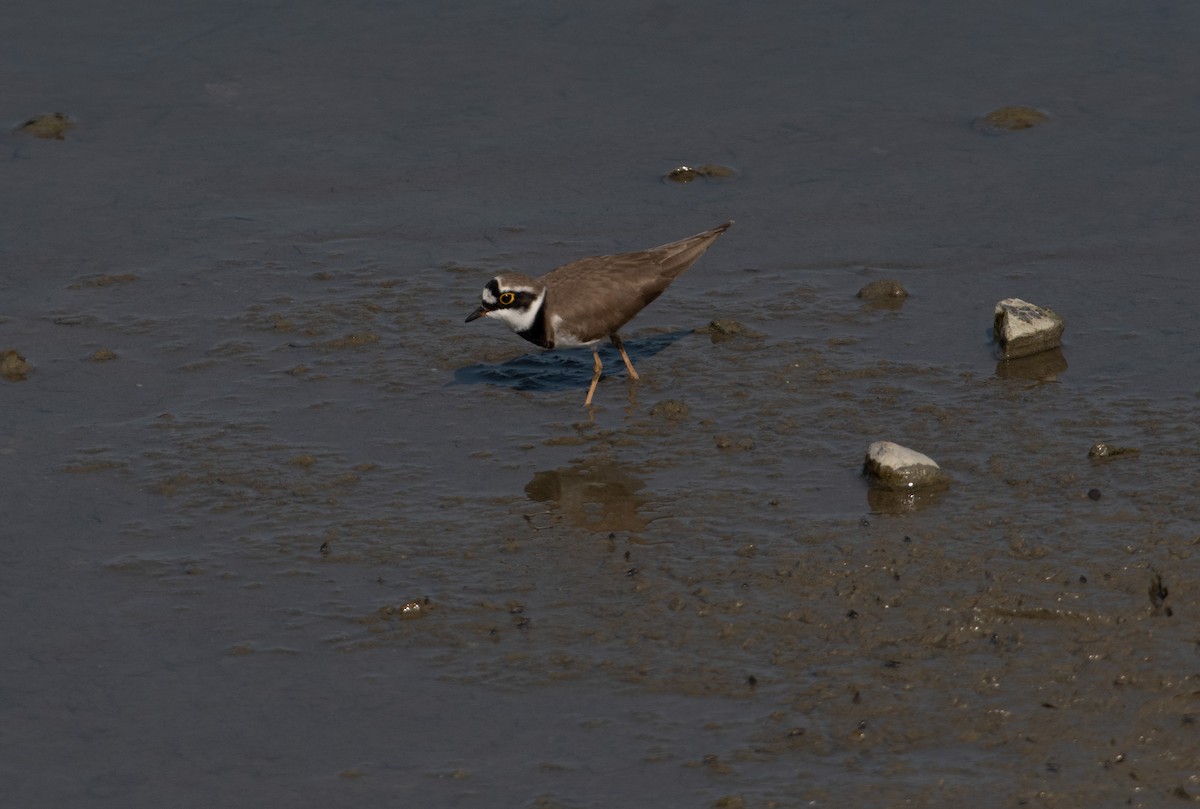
pixel 897 468
pixel 1024 328
pixel 685 174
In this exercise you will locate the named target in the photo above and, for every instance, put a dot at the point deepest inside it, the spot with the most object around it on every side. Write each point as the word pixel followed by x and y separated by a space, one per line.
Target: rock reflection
pixel 886 501
pixel 1043 367
pixel 596 495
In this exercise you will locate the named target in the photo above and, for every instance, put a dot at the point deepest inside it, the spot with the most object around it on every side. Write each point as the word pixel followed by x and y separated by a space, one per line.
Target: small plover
pixel 581 303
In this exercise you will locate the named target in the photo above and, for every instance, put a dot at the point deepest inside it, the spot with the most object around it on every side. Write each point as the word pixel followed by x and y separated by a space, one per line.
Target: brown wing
pixel 601 294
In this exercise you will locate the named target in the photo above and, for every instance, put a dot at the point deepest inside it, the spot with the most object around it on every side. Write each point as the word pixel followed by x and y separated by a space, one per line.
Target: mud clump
pixel 1011 119
pixel 670 409
pixel 708 171
pixel 357 340
pixel 734 443
pixel 106 280
pixel 723 329
pixel 13 366
pixel 52 126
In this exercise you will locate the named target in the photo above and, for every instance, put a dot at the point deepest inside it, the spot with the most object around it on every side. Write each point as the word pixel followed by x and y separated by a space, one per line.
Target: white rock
pixel 1023 328
pixel 892 466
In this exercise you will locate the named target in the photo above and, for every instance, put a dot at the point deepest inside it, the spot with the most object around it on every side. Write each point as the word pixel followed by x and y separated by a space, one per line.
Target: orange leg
pixel 595 376
pixel 621 347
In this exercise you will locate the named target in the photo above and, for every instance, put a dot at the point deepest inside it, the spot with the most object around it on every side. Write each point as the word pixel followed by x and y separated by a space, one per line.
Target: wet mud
pixel 282 528
pixel 703 534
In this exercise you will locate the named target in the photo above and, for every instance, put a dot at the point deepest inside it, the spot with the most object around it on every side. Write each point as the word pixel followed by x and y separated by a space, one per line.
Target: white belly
pixel 563 338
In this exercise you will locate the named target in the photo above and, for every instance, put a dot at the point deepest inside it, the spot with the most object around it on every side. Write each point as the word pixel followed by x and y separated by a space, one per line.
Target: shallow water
pixel 308 535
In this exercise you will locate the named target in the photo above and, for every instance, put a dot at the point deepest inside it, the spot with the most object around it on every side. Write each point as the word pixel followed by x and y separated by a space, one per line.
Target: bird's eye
pixel 506 298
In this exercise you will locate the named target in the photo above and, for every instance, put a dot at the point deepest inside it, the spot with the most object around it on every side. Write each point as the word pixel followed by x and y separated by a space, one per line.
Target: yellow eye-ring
pixel 506 298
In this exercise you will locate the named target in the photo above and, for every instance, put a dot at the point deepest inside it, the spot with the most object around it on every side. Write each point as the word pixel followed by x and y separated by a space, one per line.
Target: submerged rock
pixel 885 289
pixel 1023 328
pixel 896 468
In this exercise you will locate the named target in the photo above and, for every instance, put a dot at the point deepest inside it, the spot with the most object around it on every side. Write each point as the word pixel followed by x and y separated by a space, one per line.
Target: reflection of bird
pixel 597 495
pixel 585 301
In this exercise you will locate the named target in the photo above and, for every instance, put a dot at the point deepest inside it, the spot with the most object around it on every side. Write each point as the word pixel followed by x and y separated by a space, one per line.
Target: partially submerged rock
pixel 1024 328
pixel 885 289
pixel 1104 451
pixel 896 468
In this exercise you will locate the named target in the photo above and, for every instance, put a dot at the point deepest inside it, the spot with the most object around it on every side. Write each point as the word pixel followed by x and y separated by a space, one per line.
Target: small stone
pixel 882 290
pixel 1095 494
pixel 897 468
pixel 414 609
pixel 103 355
pixel 1023 328
pixel 1103 451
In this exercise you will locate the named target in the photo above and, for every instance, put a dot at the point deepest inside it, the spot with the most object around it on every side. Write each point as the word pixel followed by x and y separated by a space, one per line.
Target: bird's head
pixel 512 298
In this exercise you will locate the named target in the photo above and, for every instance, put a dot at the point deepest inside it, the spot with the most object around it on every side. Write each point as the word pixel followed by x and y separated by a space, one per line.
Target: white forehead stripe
pixel 488 297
